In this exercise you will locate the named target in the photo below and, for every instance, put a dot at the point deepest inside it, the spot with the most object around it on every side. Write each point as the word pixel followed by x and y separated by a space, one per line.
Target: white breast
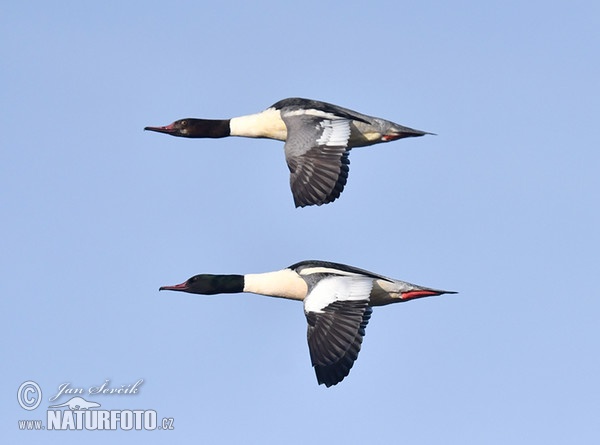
pixel 267 124
pixel 284 284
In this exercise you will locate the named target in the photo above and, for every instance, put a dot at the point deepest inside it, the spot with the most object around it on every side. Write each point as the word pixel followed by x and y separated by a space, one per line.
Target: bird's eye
pixel 183 123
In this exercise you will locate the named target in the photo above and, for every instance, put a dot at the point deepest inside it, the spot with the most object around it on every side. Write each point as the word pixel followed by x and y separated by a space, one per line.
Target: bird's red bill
pixel 410 295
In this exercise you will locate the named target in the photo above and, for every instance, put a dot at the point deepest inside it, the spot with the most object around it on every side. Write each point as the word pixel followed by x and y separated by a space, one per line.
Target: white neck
pixel 267 124
pixel 283 284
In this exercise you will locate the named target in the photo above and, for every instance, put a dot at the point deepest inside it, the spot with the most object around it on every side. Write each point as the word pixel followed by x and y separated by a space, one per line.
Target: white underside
pixel 267 124
pixel 346 286
pixel 284 284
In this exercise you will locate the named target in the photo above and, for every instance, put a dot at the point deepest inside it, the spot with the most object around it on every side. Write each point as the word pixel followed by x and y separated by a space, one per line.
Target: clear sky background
pixel 501 206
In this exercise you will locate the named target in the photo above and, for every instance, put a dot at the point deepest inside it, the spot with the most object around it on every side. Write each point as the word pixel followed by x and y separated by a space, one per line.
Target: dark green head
pixel 195 128
pixel 210 284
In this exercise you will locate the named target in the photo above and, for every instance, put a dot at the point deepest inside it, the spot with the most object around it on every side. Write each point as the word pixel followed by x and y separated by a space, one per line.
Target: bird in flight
pixel 338 301
pixel 318 138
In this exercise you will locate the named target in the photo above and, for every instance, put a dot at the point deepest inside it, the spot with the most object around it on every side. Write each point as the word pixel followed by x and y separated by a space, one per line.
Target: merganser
pixel 337 304
pixel 318 138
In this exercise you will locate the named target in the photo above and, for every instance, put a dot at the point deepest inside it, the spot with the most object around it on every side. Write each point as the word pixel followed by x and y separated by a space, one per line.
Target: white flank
pixel 267 124
pixel 332 289
pixel 284 284
pixel 335 132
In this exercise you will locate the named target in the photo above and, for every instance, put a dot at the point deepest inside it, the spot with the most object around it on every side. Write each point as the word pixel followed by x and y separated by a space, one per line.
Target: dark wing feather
pixel 319 176
pixel 316 151
pixel 334 338
pixel 298 267
pixel 308 104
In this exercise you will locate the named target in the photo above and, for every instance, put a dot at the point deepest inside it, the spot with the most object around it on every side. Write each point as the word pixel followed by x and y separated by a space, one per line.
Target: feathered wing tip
pixel 316 151
pixel 335 337
pixel 319 178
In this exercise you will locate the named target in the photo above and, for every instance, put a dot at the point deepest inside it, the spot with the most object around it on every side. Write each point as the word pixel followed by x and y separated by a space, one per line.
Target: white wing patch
pixel 310 112
pixel 335 132
pixel 327 270
pixel 332 289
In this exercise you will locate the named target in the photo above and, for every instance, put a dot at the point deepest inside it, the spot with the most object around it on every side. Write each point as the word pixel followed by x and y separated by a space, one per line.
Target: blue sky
pixel 501 206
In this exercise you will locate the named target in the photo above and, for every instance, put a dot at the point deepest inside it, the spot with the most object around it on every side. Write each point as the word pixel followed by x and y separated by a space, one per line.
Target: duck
pixel 318 138
pixel 337 298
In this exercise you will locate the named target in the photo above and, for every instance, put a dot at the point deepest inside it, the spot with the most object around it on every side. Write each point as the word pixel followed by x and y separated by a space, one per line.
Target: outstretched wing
pixel 316 151
pixel 337 310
